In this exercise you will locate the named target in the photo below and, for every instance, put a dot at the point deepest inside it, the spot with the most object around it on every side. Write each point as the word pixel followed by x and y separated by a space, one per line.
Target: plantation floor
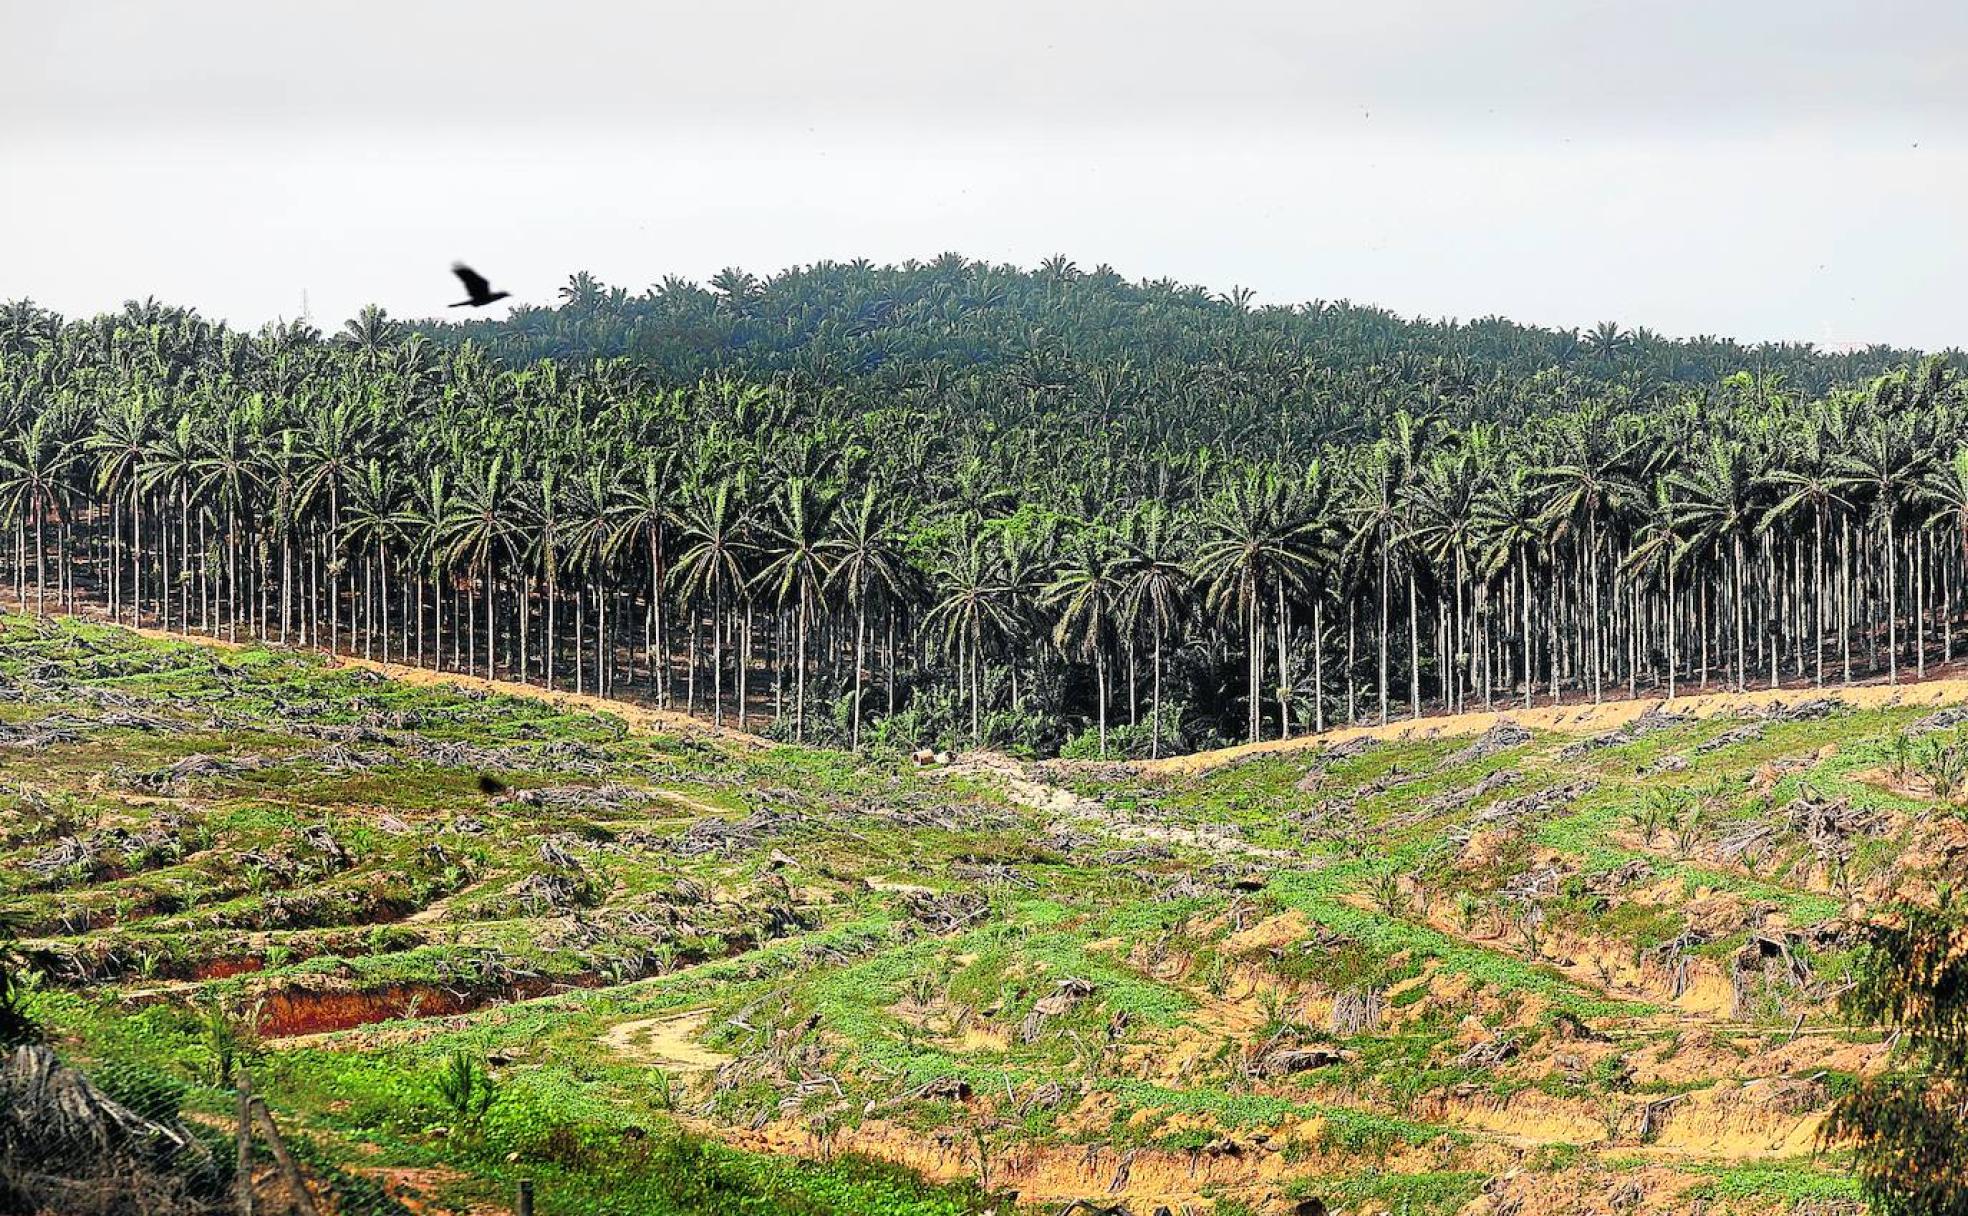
pixel 1545 962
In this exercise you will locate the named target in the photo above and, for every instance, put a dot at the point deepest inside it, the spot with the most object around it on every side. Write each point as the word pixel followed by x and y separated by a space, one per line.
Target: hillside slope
pixel 1521 970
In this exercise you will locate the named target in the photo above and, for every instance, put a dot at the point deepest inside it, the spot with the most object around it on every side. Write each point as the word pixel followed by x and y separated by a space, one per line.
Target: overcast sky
pixel 1756 168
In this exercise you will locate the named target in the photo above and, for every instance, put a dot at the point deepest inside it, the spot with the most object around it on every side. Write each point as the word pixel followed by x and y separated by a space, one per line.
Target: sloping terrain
pixel 1516 971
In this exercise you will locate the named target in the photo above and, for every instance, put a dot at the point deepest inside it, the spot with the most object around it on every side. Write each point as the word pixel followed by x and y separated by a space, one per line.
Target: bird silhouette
pixel 476 287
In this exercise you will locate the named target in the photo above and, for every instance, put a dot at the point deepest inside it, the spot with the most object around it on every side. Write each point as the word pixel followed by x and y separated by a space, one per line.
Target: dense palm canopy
pixel 1015 503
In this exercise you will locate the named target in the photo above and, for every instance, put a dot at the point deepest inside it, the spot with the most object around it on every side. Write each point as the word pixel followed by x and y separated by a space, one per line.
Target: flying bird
pixel 476 287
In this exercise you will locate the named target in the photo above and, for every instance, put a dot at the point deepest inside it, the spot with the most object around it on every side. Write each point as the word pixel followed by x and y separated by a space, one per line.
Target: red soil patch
pixel 291 1012
pixel 222 968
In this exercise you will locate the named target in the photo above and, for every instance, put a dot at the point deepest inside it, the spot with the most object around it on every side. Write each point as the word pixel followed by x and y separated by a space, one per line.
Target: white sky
pixel 1754 168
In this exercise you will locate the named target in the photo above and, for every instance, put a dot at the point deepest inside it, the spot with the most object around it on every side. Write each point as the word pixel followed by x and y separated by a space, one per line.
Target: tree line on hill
pixel 952 502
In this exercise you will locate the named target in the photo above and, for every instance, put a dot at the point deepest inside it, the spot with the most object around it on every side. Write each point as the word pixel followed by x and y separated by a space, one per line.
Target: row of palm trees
pixel 747 548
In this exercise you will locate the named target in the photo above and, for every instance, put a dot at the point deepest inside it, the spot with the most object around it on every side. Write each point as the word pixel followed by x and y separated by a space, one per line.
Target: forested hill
pixel 1060 339
pixel 958 503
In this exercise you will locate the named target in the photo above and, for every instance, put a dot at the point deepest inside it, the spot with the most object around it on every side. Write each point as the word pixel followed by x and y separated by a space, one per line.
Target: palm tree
pixel 869 566
pixel 1443 528
pixel 586 526
pixel 1509 520
pixel 1376 521
pixel 974 605
pixel 1809 479
pixel 379 522
pixel 643 513
pixel 1090 592
pixel 483 528
pixel 1156 589
pixel 281 468
pixel 370 333
pixel 1659 547
pixel 1716 502
pixel 1945 490
pixel 797 568
pixel 226 474
pixel 1590 481
pixel 1886 463
pixel 1256 542
pixel 712 563
pixel 169 469
pixel 335 442
pixel 429 511
pixel 35 471
pixel 122 434
pixel 545 557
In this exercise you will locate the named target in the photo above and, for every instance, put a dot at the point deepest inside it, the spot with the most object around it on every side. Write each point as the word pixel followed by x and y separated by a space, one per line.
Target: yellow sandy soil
pixel 1574 719
pixel 668 1042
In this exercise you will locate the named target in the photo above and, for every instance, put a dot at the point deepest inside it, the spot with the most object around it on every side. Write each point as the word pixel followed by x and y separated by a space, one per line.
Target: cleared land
pixel 1586 966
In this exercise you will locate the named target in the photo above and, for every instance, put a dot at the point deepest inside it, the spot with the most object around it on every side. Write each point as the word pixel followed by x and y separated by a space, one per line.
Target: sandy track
pixel 1573 719
pixel 640 718
pixel 1019 785
pixel 669 1042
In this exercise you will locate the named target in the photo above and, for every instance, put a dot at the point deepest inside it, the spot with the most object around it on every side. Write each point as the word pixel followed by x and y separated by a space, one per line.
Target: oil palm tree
pixel 798 563
pixel 642 515
pixel 1716 501
pixel 1256 546
pixel 1589 482
pixel 1807 478
pixel 380 522
pixel 36 473
pixel 1509 524
pixel 712 564
pixel 122 434
pixel 482 530
pixel 1885 464
pixel 586 525
pixel 1156 586
pixel 226 475
pixel 868 568
pixel 973 606
pixel 1090 594
pixel 1945 493
pixel 335 441
pixel 169 471
pixel 1442 527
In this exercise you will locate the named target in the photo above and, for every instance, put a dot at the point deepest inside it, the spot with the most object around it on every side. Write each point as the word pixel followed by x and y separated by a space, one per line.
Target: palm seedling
pixel 464 1084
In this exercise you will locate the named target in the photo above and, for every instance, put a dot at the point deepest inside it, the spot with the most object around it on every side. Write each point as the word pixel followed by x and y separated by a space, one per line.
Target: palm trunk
pixel 1892 560
pixel 491 631
pixel 1530 675
pixel 1673 631
pixel 40 561
pixel 1318 664
pixel 1383 629
pixel 717 656
pixel 860 651
pixel 799 671
pixel 1100 682
pixel 1818 590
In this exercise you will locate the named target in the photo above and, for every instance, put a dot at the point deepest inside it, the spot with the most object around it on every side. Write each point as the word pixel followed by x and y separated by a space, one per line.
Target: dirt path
pixel 439 908
pixel 695 804
pixel 640 718
pixel 669 1042
pixel 1572 719
pixel 1021 787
